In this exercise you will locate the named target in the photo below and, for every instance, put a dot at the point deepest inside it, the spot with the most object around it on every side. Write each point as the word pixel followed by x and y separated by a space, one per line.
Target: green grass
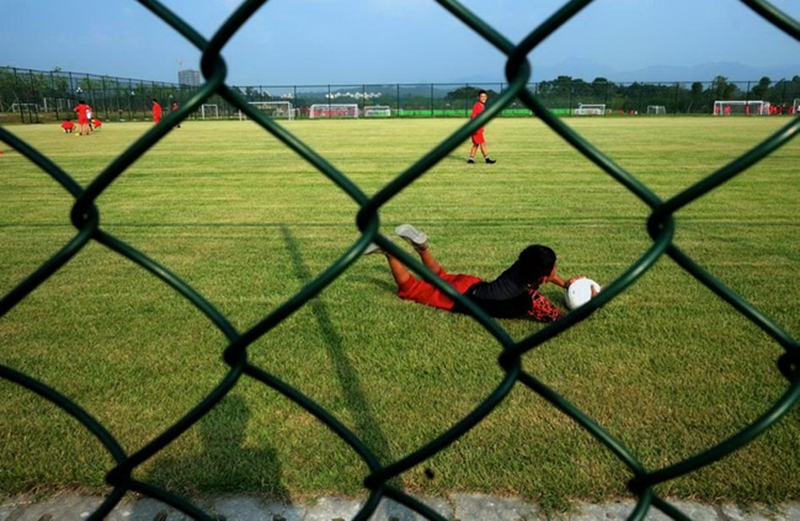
pixel 666 367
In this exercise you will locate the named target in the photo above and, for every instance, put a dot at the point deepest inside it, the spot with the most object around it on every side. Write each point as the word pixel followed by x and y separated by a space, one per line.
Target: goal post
pixel 591 109
pixel 377 111
pixel 333 110
pixel 273 109
pixel 656 109
pixel 796 106
pixel 24 107
pixel 209 111
pixel 741 107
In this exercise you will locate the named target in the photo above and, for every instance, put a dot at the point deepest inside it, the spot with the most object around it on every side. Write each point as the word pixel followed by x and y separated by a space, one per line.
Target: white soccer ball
pixel 580 292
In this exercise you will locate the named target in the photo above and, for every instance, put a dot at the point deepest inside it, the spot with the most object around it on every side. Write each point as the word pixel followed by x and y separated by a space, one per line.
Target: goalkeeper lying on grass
pixel 513 294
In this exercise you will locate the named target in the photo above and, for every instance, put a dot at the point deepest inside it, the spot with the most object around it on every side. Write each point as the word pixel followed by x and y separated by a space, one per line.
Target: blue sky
pixel 305 42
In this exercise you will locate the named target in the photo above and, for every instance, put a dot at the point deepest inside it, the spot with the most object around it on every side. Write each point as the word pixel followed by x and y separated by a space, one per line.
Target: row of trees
pixel 37 95
pixel 679 97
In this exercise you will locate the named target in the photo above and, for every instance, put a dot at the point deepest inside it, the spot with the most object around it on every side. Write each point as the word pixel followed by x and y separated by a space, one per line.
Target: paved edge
pixel 461 507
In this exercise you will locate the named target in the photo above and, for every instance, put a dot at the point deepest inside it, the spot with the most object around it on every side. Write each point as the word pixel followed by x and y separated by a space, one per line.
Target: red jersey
pixel 156 112
pixel 82 111
pixel 477 137
pixel 477 108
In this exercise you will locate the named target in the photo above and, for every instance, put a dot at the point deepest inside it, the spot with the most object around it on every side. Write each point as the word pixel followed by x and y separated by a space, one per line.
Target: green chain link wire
pixel 85 217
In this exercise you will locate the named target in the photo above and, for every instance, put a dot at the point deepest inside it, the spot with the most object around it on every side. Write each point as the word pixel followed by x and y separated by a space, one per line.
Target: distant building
pixel 189 77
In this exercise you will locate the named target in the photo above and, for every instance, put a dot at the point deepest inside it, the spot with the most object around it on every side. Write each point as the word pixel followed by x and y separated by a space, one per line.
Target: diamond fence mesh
pixel 85 217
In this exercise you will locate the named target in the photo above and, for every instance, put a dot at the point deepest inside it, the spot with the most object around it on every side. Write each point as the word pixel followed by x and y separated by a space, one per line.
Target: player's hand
pixel 573 279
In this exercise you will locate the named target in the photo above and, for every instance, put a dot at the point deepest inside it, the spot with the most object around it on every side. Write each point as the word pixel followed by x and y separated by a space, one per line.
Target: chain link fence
pixel 39 96
pixel 85 217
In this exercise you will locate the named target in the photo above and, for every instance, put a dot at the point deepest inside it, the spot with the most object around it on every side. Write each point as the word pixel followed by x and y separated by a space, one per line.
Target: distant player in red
pixel 68 126
pixel 174 108
pixel 478 139
pixel 513 294
pixel 156 111
pixel 82 112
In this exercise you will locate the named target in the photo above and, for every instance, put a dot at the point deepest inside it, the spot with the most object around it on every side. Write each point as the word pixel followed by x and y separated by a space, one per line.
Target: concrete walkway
pixel 462 507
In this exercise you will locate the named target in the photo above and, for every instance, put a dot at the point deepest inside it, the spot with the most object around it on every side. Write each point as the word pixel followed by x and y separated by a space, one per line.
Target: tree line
pixel 678 97
pixel 47 94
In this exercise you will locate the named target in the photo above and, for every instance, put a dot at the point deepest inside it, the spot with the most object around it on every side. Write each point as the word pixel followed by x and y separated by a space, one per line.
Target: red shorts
pixel 477 137
pixel 426 293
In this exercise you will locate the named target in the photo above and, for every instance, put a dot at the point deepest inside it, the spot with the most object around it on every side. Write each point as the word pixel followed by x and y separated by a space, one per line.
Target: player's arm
pixel 558 281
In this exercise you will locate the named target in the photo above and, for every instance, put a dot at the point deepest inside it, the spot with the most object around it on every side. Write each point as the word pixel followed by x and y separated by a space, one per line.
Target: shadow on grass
pixel 225 465
pixel 365 424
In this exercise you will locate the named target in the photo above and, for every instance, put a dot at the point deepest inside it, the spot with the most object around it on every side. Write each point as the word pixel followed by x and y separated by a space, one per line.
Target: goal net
pixel 741 107
pixel 209 111
pixel 333 110
pixel 56 104
pixel 273 109
pixel 24 107
pixel 656 109
pixel 377 111
pixel 591 109
pixel 796 106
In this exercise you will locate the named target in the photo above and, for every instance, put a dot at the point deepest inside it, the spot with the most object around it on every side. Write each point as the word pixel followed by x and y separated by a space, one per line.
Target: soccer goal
pixel 378 111
pixel 24 107
pixel 333 110
pixel 796 106
pixel 656 109
pixel 56 104
pixel 273 109
pixel 741 107
pixel 209 111
pixel 591 109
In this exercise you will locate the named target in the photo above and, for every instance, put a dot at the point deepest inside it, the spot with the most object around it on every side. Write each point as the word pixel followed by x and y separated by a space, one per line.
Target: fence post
pixel 747 100
pixel 677 92
pixel 34 98
pixel 16 94
pixel 571 91
pixel 130 100
pixel 783 94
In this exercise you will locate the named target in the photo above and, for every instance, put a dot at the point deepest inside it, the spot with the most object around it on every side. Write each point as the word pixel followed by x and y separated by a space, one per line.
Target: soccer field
pixel 666 368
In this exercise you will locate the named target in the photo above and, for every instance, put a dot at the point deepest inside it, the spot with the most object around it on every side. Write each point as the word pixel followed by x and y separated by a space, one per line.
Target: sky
pixel 319 42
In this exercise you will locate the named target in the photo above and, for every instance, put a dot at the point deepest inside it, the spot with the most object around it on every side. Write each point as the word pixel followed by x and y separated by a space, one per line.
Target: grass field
pixel 666 367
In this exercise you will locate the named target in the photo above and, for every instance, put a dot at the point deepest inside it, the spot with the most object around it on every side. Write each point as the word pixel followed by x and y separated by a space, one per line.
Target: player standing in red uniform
pixel 156 111
pixel 174 108
pixel 82 111
pixel 478 139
